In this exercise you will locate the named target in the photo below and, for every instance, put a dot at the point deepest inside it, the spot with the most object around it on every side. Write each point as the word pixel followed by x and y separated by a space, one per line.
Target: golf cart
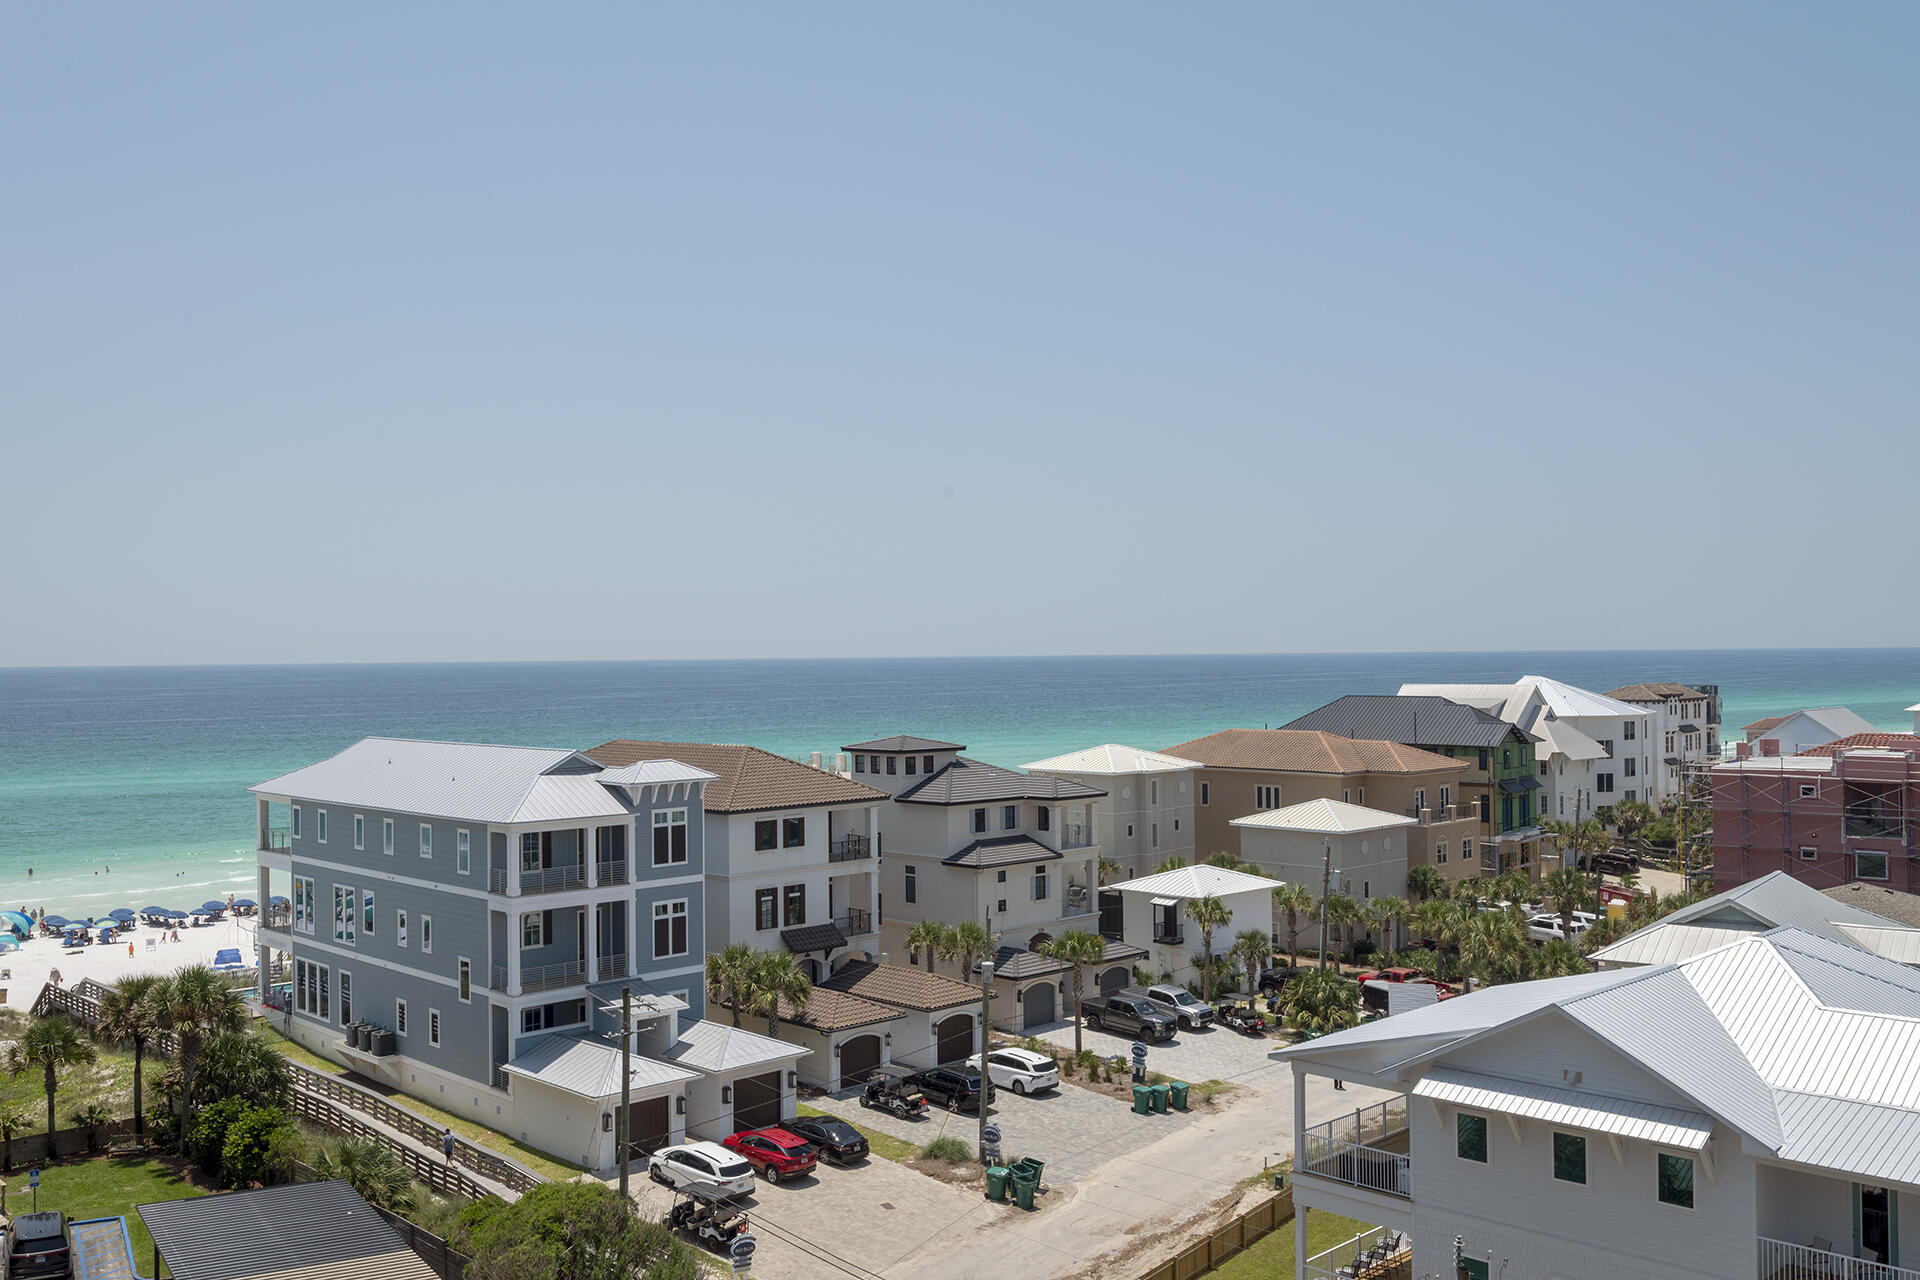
pixel 891 1093
pixel 704 1213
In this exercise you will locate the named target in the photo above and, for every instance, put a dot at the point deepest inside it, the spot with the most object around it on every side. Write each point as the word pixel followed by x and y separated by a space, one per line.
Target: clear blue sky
pixel 655 331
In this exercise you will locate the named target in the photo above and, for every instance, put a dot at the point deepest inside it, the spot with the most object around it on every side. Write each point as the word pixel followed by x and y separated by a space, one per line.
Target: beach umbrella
pixel 209 907
pixel 19 921
pixel 153 911
pixel 277 900
pixel 245 902
pixel 55 922
pixel 7 942
pixel 121 913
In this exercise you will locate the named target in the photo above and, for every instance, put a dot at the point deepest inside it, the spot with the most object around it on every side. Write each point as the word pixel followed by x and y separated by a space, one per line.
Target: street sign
pixel 741 1250
pixel 1139 1052
pixel 33 1179
pixel 991 1133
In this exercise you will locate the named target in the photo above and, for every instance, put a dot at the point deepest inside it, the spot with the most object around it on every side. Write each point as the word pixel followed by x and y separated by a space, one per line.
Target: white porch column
pixel 590 921
pixel 513 953
pixel 265 813
pixel 1299 1243
pixel 513 864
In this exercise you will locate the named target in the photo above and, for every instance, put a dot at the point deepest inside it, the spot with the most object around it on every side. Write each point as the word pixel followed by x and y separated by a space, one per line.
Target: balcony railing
pixel 613 966
pixel 1171 939
pixel 497 880
pixel 1376 1255
pixel 545 977
pixel 276 841
pixel 612 871
pixel 497 978
pixel 851 849
pixel 1868 827
pixel 552 880
pixel 854 921
pixel 1781 1260
pixel 1443 813
pixel 1076 835
pixel 1367 1149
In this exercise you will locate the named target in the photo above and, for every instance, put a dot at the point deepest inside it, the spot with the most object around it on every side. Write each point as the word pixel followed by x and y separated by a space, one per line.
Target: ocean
pixel 127 786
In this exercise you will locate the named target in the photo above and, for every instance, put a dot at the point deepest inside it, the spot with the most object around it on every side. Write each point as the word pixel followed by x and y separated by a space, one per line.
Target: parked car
pixel 1404 975
pixel 40 1250
pixel 706 1163
pixel 1128 1013
pixel 774 1153
pixel 837 1141
pixel 1021 1070
pixel 1546 927
pixel 1189 1010
pixel 956 1088
pixel 1273 981
pixel 891 1093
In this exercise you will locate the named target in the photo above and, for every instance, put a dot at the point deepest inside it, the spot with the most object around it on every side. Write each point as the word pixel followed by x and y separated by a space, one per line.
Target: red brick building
pixel 1825 820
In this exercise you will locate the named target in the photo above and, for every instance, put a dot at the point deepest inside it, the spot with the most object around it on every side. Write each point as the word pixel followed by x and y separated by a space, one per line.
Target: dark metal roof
pixel 1118 950
pixel 1520 784
pixel 1003 851
pixel 1672 760
pixel 814 937
pixel 904 742
pixel 1414 721
pixel 1017 963
pixel 264 1232
pixel 965 781
pixel 1689 728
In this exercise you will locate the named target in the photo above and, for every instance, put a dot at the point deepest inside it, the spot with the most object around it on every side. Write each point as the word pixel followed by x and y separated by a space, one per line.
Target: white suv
pixel 1545 928
pixel 1021 1070
pixel 706 1163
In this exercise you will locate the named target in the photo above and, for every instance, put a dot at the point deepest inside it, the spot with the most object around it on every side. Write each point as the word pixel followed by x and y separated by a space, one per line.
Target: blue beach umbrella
pixel 7 942
pixel 208 907
pixel 277 900
pixel 18 921
pixel 245 902
pixel 121 913
pixel 153 911
pixel 55 922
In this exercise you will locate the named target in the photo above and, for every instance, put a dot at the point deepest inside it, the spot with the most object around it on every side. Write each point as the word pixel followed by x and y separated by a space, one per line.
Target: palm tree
pixel 1571 891
pixel 1426 883
pixel 51 1044
pixel 1172 862
pixel 1291 900
pixel 1385 913
pixel 237 1065
pixel 969 943
pixel 1320 1001
pixel 1557 959
pixel 371 1170
pixel 194 1005
pixel 1513 887
pixel 1440 919
pixel 778 976
pixel 1208 913
pixel 1254 950
pixel 130 1013
pixel 1344 915
pixel 1493 947
pixel 1108 868
pixel 730 977
pixel 926 939
pixel 1230 861
pixel 13 1121
pixel 90 1118
pixel 1078 948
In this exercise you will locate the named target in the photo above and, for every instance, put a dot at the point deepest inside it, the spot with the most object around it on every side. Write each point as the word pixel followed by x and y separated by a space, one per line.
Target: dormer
pixel 902 761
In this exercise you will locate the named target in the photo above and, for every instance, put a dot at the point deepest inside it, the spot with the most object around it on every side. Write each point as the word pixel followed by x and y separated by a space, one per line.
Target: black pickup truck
pixel 1128 1015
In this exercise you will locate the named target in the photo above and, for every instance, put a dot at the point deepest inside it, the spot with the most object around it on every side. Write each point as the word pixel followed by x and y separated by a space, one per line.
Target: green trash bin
pixel 1160 1092
pixel 1023 1186
pixel 996 1184
pixel 1179 1094
pixel 1142 1099
pixel 1035 1167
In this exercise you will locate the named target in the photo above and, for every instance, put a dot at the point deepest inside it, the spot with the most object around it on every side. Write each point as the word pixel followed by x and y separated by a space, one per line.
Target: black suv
pixel 40 1249
pixel 955 1088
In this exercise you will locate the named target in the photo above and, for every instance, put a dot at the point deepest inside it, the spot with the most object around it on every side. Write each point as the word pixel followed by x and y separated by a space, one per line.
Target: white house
pixel 741 1079
pixel 1369 850
pixel 939 1017
pixel 1146 815
pixel 1154 914
pixel 1799 731
pixel 1749 1111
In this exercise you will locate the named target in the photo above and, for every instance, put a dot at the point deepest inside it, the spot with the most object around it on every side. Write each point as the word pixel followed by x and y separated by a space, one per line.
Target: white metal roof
pixel 1773 900
pixel 1112 758
pixel 1569 1108
pixel 1487 697
pixel 1202 881
pixel 649 773
pixel 1566 700
pixel 590 1067
pixel 1673 942
pixel 1557 737
pixel 714 1048
pixel 1325 817
pixel 1896 942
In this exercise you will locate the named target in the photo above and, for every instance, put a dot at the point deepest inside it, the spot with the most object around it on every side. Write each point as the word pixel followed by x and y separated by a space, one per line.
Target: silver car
pixel 1186 1008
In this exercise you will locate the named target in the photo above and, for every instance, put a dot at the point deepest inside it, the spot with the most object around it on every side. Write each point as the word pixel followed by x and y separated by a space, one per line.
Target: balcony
pixel 1780 1260
pixel 853 922
pixel 497 880
pixel 852 848
pixel 1170 939
pixel 613 966
pixel 278 840
pixel 1445 813
pixel 497 977
pixel 1075 835
pixel 548 977
pixel 612 871
pixel 1371 1255
pixel 552 880
pixel 1367 1149
pixel 277 933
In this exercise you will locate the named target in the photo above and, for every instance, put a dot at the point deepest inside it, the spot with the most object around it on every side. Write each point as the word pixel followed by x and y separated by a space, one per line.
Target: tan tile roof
pixel 749 779
pixel 826 1010
pixel 1307 751
pixel 1853 742
pixel 901 986
pixel 1656 692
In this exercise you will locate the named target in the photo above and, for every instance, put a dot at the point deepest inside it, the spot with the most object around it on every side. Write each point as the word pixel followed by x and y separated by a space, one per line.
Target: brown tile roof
pixel 1901 908
pixel 1853 742
pixel 749 779
pixel 1770 722
pixel 827 1010
pixel 901 986
pixel 904 742
pixel 1656 692
pixel 1306 751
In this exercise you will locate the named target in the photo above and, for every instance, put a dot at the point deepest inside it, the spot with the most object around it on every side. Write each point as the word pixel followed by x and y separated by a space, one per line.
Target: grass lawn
pixel 295 1050
pixel 107 1188
pixel 1272 1254
pixel 108 1080
pixel 883 1145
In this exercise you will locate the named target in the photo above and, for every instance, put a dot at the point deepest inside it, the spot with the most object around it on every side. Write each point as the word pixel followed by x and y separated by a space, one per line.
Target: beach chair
pixel 151 942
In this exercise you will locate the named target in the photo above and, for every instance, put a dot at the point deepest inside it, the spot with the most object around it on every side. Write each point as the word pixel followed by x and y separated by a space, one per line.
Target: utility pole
pixel 626 1084
pixel 986 981
pixel 1326 888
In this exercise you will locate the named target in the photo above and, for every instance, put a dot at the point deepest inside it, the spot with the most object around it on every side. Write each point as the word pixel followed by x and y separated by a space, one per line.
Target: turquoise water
pixel 125 786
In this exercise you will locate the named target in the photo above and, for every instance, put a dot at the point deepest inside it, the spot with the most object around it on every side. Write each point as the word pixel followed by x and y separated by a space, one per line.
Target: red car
pixel 1406 975
pixel 773 1153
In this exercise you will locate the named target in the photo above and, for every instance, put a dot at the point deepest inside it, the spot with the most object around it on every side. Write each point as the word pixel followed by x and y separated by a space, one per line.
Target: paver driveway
pixel 1213 1054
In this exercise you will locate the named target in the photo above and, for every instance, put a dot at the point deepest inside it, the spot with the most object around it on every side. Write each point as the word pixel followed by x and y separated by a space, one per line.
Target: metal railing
pixel 614 965
pixel 545 977
pixel 854 921
pixel 1363 1149
pixel 1443 813
pixel 1377 1255
pixel 1171 939
pixel 851 849
pixel 276 840
pixel 1076 835
pixel 497 977
pixel 1782 1260
pixel 610 871
pixel 552 879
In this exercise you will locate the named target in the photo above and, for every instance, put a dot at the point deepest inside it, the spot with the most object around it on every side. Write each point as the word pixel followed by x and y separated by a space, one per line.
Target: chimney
pixel 1769 746
pixel 1743 750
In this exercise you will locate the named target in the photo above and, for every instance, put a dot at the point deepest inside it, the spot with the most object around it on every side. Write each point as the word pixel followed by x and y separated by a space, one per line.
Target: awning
pixel 1596 1113
pixel 1528 783
pixel 1673 760
pixel 814 937
pixel 1166 902
pixel 1689 728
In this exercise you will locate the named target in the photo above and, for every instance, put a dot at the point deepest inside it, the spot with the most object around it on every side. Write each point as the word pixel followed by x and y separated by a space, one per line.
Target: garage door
pixel 859 1057
pixel 647 1125
pixel 1036 1006
pixel 1114 979
pixel 954 1038
pixel 756 1101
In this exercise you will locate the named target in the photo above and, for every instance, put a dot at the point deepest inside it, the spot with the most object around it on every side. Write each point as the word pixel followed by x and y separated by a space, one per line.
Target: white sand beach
pixel 23 971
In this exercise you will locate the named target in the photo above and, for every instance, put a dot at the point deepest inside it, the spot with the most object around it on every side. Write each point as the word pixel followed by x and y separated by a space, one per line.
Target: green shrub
pixel 208 1141
pixel 253 1140
pixel 950 1150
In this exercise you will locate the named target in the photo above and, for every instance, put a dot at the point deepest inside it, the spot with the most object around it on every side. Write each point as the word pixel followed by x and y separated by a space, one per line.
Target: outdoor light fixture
pixel 680 1105
pixel 606 1122
pixel 886 1038
pixel 837 1048
pixel 726 1093
pixel 793 1079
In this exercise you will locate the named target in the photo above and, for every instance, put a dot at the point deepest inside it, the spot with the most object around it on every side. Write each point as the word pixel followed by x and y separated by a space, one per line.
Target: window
pixel 1603 783
pixel 323 992
pixel 1153 791
pixel 1809 790
pixel 1869 866
pixel 1628 729
pixel 1675 1180
pixel 873 764
pixel 426 841
pixel 1129 831
pixel 534 927
pixel 1203 794
pixel 1570 1158
pixel 1440 852
pixel 466 980
pixel 766 905
pixel 1506 757
pixel 296 822
pixel 1629 766
pixel 890 764
pixel 1446 796
pixel 1470 1137
pixel 463 852
pixel 366 913
pixel 669 837
pixel 1419 798
pixel 1153 834
pixel 670 928
pixel 766 834
pixel 926 764
pixel 426 935
pixel 1176 824
pixel 1266 797
pixel 1002 907
pixel 859 763
pixel 433 1027
pixel 1361 801
pixel 1040 885
pixel 530 856
pixel 1606 745
pixel 340 910
pixel 796 904
pixel 1000 876
pixel 359 831
pixel 912 761
pixel 1043 818
pixel 386 836
pixel 1346 795
pixel 346 998
pixel 1669 743
pixel 1009 817
pixel 399 1017
pixel 793 833
pixel 400 926
pixel 979 821
pixel 303 904
pixel 320 825
pixel 913 886
pixel 1466 849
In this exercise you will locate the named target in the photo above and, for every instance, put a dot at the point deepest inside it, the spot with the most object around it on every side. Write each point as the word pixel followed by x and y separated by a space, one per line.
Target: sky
pixel 362 333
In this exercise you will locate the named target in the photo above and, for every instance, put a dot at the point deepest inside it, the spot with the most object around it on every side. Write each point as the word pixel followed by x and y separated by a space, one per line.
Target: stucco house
pixel 1154 914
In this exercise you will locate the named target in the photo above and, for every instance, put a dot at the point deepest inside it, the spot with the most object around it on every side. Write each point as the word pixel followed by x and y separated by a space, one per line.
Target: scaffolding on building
pixel 1872 791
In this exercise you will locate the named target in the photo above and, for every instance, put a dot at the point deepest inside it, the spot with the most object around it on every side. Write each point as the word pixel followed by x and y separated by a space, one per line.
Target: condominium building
pixel 1145 816
pixel 1686 724
pixel 1823 819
